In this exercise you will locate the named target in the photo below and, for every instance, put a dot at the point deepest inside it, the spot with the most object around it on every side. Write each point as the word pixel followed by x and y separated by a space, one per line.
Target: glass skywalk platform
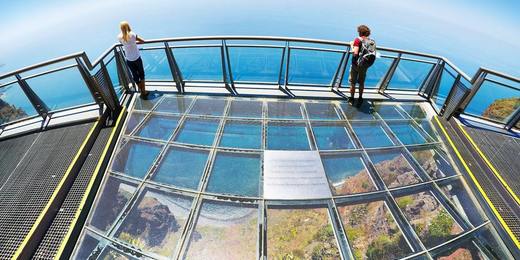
pixel 188 179
pixel 247 149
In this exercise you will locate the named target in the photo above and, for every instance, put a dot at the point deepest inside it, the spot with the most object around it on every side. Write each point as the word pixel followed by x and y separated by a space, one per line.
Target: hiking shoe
pixel 360 102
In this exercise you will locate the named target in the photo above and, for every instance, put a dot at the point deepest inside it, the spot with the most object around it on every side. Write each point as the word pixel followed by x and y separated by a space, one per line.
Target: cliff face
pixel 500 109
pixel 9 112
pixel 396 172
pixel 151 222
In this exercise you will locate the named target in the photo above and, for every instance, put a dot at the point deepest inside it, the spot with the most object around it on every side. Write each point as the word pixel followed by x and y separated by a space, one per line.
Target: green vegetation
pixel 382 247
pixel 9 112
pixel 500 109
pixel 440 227
pixel 300 234
pixel 354 233
pixel 403 202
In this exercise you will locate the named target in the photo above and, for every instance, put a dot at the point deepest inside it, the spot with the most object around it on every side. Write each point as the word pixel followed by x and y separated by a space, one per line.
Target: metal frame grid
pixel 383 193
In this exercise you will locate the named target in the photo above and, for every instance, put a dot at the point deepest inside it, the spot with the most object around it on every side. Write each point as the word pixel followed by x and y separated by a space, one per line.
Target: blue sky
pixel 467 32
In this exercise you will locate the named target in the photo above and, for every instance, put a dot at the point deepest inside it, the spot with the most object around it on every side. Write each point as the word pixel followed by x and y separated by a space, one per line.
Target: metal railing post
pixel 230 88
pixel 437 77
pixel 515 118
pixel 432 80
pixel 124 74
pixel 286 78
pixel 344 69
pixel 111 91
pixel 389 74
pixel 176 73
pixel 476 83
pixel 92 87
pixel 339 70
pixel 41 108
pixel 284 50
pixel 228 61
pixel 449 97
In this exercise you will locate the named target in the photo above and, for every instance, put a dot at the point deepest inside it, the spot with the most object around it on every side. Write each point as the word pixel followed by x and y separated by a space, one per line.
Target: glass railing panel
pixel 313 67
pixel 375 73
pixel 255 64
pixel 199 63
pixel 409 75
pixel 14 104
pixel 156 67
pixel 61 89
pixel 440 94
pixel 494 101
pixel 111 67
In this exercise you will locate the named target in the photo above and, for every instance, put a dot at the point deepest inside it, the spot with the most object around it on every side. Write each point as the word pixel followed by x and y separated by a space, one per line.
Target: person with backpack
pixel 364 55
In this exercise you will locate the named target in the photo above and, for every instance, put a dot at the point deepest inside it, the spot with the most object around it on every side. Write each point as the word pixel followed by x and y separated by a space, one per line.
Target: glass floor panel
pixel 147 104
pixel 322 111
pixel 224 230
pixel 382 241
pixel 174 104
pixel 284 110
pixel 388 111
pixel 287 136
pixel 249 109
pixel 428 218
pixel 347 174
pixel 198 131
pixel 414 110
pixel 182 167
pixel 242 134
pixel 158 127
pixel 484 246
pixel 136 158
pixel 235 174
pixel 407 133
pixel 393 168
pixel 133 121
pixel 371 135
pixel 332 137
pixel 196 190
pixel 155 223
pixel 300 233
pixel 208 107
pixel 113 199
pixel 433 161
pixel 365 112
pixel 456 192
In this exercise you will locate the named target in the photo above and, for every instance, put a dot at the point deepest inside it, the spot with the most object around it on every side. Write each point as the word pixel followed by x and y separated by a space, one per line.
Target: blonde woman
pixel 133 58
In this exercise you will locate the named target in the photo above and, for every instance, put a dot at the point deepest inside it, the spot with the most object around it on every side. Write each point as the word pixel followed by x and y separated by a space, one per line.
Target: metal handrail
pixel 286 56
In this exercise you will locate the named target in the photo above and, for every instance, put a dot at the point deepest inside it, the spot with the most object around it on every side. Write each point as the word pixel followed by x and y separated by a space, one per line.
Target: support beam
pixel 389 74
pixel 229 87
pixel 514 119
pixel 38 104
pixel 176 73
pixel 92 86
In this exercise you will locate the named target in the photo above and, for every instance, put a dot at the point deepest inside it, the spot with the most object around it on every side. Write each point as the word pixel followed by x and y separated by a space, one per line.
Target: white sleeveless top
pixel 130 47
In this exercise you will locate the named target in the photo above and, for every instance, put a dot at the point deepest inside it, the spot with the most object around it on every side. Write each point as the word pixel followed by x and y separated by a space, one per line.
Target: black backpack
pixel 367 53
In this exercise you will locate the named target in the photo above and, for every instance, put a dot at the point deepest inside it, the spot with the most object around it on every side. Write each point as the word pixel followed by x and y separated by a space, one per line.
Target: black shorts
pixel 137 70
pixel 357 75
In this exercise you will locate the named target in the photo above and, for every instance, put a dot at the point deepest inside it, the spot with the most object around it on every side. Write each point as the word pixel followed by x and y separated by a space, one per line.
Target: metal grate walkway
pixel 31 184
pixel 61 223
pixel 503 152
pixel 507 211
